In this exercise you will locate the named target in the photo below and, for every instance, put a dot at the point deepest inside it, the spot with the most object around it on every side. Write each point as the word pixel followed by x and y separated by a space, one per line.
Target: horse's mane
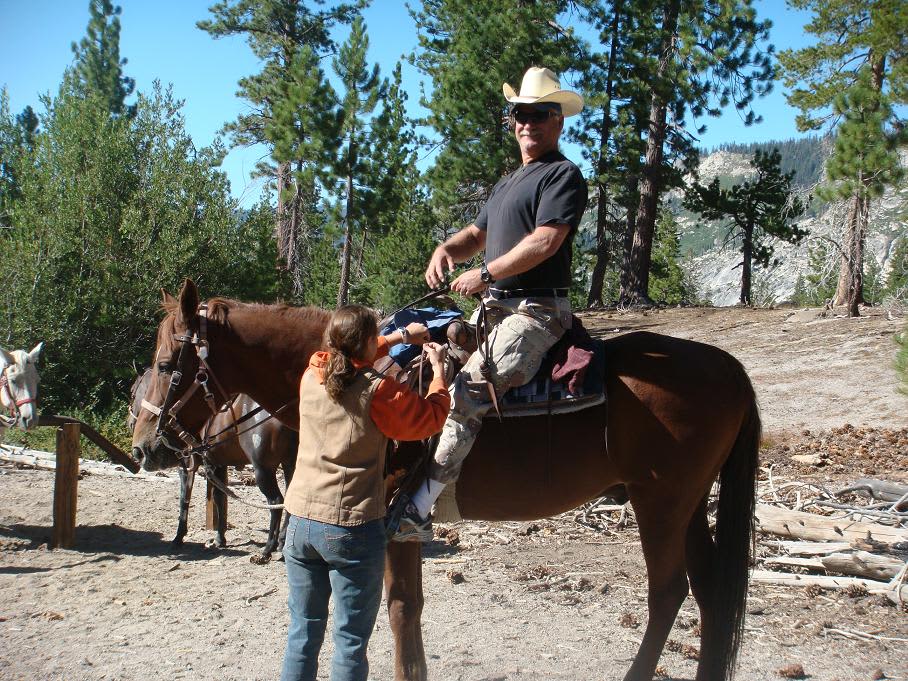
pixel 219 312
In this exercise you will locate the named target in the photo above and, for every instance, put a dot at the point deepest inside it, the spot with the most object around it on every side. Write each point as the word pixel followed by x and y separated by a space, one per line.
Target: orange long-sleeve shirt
pixel 399 412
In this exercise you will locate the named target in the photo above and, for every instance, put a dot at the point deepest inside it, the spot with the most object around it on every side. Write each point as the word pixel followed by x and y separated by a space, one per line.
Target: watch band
pixel 485 275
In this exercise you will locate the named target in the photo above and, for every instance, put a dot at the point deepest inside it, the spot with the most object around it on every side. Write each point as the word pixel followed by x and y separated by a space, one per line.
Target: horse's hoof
pixel 215 544
pixel 259 559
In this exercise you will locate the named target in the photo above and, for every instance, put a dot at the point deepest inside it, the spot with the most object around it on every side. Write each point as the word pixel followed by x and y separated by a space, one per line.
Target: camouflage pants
pixel 521 331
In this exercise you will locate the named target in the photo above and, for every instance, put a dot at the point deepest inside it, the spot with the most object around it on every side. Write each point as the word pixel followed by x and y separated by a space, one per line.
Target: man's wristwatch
pixel 485 275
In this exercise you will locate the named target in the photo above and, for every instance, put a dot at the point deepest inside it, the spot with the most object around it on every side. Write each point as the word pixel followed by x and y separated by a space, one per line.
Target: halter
pixel 13 405
pixel 168 412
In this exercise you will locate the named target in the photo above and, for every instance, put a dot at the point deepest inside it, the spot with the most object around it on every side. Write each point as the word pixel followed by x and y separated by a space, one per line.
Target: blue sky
pixel 160 40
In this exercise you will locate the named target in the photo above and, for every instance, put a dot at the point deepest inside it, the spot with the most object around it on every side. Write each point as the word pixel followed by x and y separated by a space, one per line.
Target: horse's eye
pixel 164 367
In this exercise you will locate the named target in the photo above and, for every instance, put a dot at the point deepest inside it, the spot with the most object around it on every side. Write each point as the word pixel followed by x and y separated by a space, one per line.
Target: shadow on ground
pixel 117 540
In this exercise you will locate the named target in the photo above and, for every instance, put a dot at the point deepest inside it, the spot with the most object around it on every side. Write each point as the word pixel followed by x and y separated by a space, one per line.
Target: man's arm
pixel 459 248
pixel 534 248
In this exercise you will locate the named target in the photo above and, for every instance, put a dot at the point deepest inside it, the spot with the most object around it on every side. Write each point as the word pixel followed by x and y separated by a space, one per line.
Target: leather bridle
pixel 13 404
pixel 168 412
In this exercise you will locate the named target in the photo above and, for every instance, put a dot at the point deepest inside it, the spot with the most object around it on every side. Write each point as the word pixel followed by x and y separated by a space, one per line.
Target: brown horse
pixel 680 415
pixel 263 442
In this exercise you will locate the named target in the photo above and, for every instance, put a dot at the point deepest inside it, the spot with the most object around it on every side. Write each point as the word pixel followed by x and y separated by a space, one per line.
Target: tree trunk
pixel 747 251
pixel 855 294
pixel 602 236
pixel 280 226
pixel 629 229
pixel 850 289
pixel 344 287
pixel 637 269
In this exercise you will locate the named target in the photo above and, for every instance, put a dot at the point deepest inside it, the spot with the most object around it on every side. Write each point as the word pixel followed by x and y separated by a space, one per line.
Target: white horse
pixel 19 388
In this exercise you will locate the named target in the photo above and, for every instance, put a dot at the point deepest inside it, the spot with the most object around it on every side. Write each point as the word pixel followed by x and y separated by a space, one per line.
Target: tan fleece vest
pixel 339 476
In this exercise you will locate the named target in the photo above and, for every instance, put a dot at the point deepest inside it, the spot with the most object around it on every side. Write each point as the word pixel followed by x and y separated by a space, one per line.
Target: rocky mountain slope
pixel 716 268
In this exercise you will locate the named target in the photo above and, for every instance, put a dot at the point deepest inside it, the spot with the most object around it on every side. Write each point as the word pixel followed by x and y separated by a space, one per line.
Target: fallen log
pixel 895 594
pixel 800 525
pixel 47 461
pixel 859 563
pixel 809 548
pixel 863 564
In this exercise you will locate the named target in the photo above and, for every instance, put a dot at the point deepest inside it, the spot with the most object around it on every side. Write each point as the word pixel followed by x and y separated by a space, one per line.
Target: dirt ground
pixel 549 600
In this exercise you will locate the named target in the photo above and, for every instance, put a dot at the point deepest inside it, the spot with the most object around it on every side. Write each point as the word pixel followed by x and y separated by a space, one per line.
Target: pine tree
pixel 362 91
pixel 853 77
pixel 469 49
pixel 704 57
pixel 17 138
pixel 97 66
pixel 290 105
pixel 610 126
pixel 758 211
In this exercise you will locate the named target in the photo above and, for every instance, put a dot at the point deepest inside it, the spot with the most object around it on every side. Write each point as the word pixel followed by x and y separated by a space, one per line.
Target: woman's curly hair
pixel 347 338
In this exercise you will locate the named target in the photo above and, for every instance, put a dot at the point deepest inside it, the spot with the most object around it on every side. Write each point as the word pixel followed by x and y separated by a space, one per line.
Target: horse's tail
pixel 734 540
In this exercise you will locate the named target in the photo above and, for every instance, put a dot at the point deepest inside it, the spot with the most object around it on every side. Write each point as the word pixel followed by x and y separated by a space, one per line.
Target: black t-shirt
pixel 548 191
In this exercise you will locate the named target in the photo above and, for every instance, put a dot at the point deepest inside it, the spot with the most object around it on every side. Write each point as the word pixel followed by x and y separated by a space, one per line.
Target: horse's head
pixel 19 386
pixel 178 397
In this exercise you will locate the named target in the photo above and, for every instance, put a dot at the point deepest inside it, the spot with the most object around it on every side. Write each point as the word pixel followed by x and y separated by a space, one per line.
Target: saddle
pixel 570 378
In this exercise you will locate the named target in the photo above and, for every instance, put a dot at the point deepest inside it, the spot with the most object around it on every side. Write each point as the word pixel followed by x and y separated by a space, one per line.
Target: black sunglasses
pixel 523 117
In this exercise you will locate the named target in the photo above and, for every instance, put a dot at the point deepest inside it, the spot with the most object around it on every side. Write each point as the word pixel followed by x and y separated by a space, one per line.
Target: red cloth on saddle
pixel 572 355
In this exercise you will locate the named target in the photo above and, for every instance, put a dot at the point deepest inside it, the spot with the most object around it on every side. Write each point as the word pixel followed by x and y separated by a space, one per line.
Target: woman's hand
pixel 436 354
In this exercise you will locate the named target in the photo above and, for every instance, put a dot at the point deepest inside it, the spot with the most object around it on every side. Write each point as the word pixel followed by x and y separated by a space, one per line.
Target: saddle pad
pixel 542 396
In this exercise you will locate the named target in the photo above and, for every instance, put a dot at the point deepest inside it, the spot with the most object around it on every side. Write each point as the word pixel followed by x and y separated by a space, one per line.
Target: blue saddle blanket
pixel 435 319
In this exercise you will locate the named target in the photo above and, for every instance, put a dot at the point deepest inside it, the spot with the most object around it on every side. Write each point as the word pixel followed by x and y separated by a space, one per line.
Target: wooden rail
pixel 115 454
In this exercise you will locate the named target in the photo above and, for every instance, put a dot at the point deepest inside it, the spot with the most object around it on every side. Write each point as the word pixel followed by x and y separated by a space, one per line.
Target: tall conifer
pixel 758 211
pixel 362 89
pixel 853 78
pixel 98 67
pixel 469 49
pixel 704 56
pixel 289 101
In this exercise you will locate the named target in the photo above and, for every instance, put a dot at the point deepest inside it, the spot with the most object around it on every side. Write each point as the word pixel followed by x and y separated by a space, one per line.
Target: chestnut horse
pixel 263 442
pixel 679 416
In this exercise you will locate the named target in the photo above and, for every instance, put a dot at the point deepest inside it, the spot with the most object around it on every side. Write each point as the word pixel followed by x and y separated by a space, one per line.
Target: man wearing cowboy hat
pixel 526 229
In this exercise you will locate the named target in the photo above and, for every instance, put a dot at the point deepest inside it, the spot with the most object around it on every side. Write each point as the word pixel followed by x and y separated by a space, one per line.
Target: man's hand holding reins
pixel 440 265
pixel 469 282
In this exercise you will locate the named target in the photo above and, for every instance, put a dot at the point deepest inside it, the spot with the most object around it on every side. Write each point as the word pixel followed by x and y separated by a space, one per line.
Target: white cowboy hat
pixel 541 85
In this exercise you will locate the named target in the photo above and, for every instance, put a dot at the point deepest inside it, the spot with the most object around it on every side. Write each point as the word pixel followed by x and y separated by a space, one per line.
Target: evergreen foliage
pixel 469 49
pixel 703 57
pixel 803 156
pixel 362 89
pixel 669 282
pixel 854 77
pixel 17 137
pixel 112 209
pixel 292 108
pixel 758 211
pixel 97 67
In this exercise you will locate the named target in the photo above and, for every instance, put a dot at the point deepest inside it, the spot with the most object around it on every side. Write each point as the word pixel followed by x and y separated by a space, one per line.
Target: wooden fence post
pixel 66 487
pixel 211 512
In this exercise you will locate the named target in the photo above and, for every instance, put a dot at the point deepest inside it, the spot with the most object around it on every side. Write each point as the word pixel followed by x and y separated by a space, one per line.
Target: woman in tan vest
pixel 336 536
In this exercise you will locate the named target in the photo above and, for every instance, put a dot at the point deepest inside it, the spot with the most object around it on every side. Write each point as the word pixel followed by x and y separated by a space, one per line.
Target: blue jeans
pixel 321 559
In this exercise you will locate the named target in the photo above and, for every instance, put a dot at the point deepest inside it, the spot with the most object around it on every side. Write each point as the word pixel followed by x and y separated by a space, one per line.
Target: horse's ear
pixel 6 357
pixel 189 302
pixel 167 299
pixel 35 353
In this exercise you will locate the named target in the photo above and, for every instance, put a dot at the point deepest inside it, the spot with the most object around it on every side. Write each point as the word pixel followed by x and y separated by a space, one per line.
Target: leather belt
pixel 503 293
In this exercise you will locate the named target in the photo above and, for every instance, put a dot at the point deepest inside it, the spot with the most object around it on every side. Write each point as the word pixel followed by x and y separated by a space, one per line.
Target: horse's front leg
pixel 187 479
pixel 403 585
